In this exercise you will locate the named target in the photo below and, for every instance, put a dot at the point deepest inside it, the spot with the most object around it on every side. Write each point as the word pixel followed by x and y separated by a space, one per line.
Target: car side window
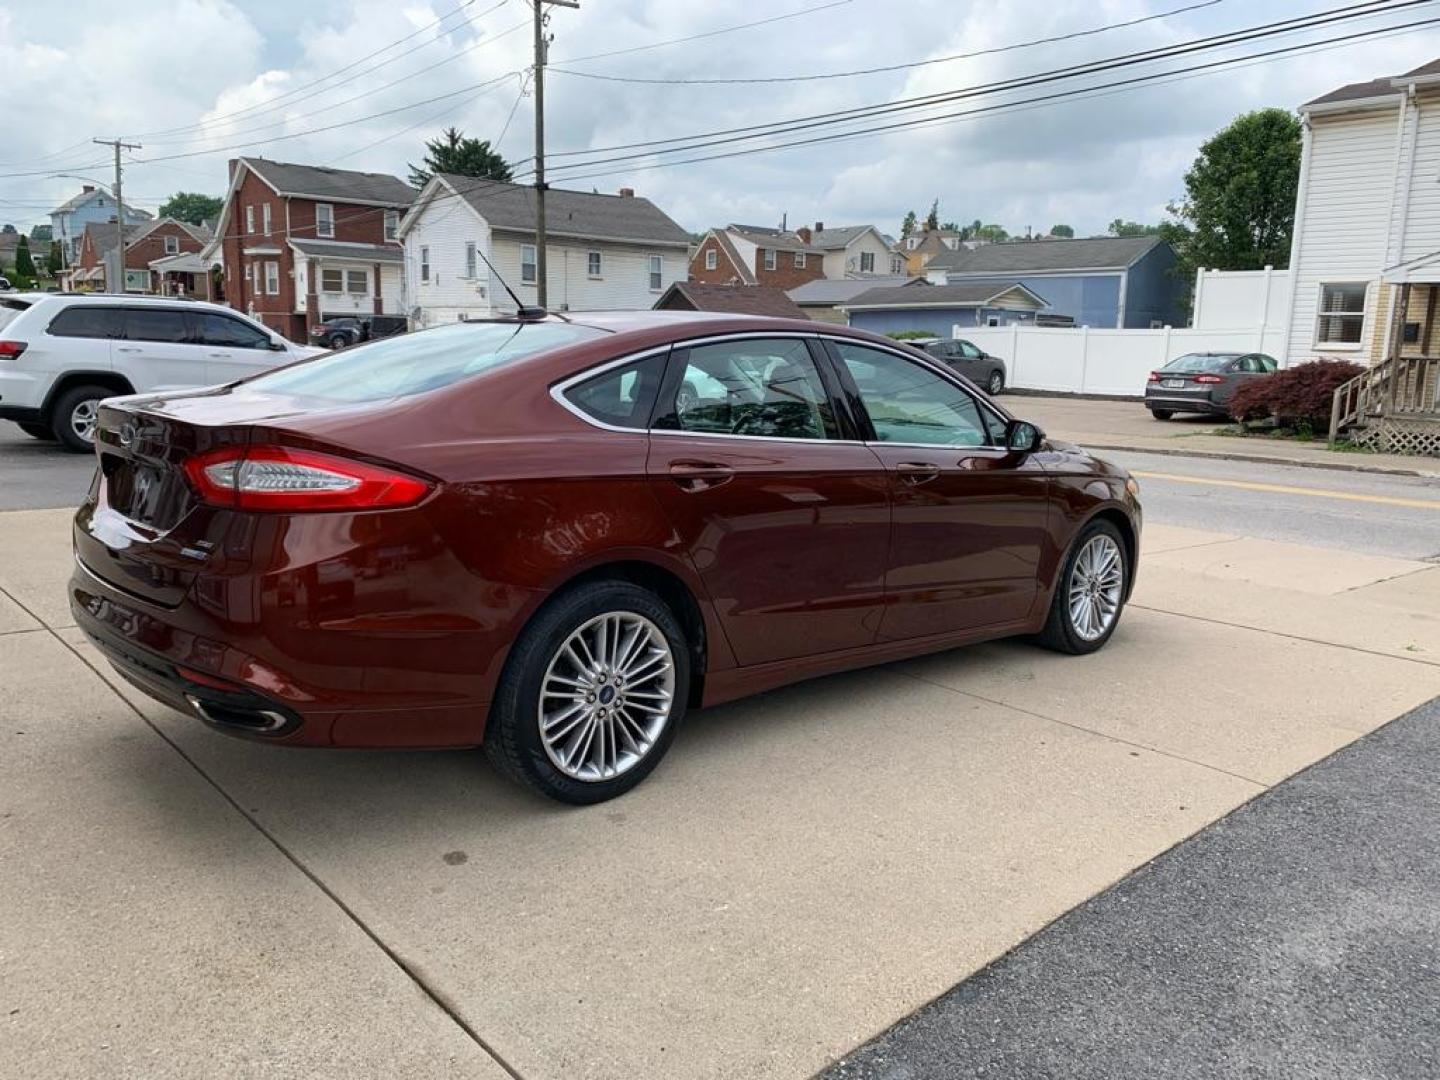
pixel 622 397
pixel 760 387
pixel 87 322
pixel 156 324
pixel 908 404
pixel 1250 365
pixel 1267 363
pixel 970 352
pixel 221 331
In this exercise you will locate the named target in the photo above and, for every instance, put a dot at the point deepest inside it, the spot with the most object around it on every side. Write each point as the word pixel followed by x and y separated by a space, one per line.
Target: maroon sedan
pixel 551 536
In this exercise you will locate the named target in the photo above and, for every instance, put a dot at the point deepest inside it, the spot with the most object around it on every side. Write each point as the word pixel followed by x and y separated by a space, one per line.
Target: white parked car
pixel 61 354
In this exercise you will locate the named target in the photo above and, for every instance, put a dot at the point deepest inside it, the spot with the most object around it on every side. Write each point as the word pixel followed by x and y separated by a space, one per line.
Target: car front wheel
pixel 1161 414
pixel 74 416
pixel 1090 592
pixel 592 693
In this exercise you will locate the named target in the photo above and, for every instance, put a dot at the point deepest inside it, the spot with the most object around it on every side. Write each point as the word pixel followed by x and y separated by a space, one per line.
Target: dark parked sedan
pixel 971 361
pixel 522 534
pixel 1202 382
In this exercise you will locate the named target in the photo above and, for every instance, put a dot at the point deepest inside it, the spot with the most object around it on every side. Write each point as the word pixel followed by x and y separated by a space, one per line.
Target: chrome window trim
pixel 557 390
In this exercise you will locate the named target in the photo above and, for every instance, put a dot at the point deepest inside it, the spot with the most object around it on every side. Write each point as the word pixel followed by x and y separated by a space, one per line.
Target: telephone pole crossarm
pixel 119 278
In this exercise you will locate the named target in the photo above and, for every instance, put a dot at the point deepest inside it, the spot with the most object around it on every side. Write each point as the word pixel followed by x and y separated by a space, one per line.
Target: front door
pixel 786 521
pixel 233 349
pixel 969 516
pixel 156 352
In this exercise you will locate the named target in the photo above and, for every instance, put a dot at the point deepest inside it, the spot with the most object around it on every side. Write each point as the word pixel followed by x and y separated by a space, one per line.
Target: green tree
pixel 1063 231
pixel 991 234
pixel 949 226
pixel 191 207
pixel 454 153
pixel 907 227
pixel 932 219
pixel 24 265
pixel 40 234
pixel 54 260
pixel 1131 228
pixel 1238 212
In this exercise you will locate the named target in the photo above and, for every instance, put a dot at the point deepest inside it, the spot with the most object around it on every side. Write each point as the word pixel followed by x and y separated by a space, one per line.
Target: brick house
pixel 302 243
pixel 145 244
pixel 754 255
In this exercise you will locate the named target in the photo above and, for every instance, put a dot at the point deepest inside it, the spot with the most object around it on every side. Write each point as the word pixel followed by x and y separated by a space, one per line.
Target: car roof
pixel 126 300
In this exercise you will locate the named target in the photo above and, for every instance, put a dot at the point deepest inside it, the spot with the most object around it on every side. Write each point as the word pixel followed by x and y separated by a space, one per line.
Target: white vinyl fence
pixel 1082 360
pixel 1225 299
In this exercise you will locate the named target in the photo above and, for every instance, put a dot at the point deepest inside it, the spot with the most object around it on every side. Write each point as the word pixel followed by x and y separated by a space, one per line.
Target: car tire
pixel 547 751
pixel 37 431
pixel 995 383
pixel 1162 414
pixel 73 417
pixel 1068 628
pixel 336 341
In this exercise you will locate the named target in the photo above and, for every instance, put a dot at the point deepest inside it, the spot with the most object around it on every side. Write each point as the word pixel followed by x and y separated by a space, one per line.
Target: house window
pixel 769 258
pixel 172 245
pixel 657 273
pixel 593 264
pixel 392 223
pixel 357 281
pixel 332 281
pixel 867 262
pixel 897 265
pixel 799 260
pixel 272 279
pixel 712 259
pixel 528 273
pixel 470 260
pixel 424 264
pixel 324 219
pixel 1342 314
pixel 249 219
pixel 265 218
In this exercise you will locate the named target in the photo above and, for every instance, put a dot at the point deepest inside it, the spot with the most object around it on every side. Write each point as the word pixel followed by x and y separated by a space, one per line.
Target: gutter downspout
pixel 1303 186
pixel 1400 200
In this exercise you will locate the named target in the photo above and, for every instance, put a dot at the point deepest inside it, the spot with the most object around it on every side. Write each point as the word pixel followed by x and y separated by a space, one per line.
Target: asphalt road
pixel 1378 514
pixel 1298 937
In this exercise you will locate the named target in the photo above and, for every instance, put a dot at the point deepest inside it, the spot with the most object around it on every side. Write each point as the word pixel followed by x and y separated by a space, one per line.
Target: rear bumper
pixel 1197 401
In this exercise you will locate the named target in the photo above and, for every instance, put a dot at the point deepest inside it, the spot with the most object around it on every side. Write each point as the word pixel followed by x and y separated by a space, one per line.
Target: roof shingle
pixel 731 299
pixel 932 295
pixel 568 213
pixel 1038 256
pixel 342 185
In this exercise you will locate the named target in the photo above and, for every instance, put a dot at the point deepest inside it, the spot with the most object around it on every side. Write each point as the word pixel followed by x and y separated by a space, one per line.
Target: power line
pixel 708 33
pixel 275 102
pixel 427 120
pixel 1089 32
pixel 753 131
pixel 1080 92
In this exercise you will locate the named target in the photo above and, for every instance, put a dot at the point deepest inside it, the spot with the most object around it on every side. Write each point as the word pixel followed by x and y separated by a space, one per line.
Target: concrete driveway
pixel 805 869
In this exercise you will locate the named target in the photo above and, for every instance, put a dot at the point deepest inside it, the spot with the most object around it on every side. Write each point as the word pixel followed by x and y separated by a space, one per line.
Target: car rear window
pixel 1199 362
pixel 10 309
pixel 415 363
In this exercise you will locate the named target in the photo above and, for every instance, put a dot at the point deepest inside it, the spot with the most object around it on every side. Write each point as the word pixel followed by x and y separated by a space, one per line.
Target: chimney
pixel 819 226
pixel 804 234
pixel 86 189
pixel 627 192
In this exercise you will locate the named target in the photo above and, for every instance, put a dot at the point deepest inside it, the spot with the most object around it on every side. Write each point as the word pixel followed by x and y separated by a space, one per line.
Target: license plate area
pixel 1173 384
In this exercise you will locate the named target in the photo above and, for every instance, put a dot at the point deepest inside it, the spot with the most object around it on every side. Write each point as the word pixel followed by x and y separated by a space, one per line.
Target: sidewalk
pixel 1104 424
pixel 805 869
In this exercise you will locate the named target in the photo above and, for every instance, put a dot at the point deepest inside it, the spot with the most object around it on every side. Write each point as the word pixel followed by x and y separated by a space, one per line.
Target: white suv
pixel 62 353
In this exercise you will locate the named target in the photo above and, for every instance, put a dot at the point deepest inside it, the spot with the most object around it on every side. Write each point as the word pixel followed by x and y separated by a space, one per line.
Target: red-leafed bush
pixel 1295 397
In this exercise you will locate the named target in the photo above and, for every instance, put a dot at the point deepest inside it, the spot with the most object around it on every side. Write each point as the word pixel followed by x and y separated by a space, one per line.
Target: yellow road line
pixel 1286 489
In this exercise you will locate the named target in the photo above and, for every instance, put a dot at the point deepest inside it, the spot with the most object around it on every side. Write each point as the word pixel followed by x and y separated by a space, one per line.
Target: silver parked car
pixel 1202 382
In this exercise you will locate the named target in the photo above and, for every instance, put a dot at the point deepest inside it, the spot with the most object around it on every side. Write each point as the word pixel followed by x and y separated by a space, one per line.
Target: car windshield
pixel 1199 362
pixel 415 363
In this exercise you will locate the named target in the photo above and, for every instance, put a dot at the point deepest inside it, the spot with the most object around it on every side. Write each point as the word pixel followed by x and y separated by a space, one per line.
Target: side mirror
pixel 1023 437
pixel 276 345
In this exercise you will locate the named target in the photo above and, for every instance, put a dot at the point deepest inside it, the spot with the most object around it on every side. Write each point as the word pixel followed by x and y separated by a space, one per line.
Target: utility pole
pixel 119 277
pixel 540 49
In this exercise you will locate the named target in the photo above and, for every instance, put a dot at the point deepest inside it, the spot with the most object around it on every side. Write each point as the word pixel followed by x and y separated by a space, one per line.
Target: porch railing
pixel 1399 387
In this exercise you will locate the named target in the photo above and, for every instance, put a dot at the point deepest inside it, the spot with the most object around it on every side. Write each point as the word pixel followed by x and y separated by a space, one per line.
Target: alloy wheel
pixel 1096 582
pixel 997 383
pixel 83 418
pixel 606 697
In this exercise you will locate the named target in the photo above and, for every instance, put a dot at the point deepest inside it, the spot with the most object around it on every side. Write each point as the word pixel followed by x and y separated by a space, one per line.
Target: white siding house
pixel 1367 216
pixel 604 252
pixel 855 251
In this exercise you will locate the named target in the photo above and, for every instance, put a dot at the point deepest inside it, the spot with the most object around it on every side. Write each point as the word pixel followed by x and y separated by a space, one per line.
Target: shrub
pixel 910 335
pixel 1297 397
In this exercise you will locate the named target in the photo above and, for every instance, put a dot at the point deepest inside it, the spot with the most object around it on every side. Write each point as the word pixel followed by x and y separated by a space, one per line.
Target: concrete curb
pixel 1261 459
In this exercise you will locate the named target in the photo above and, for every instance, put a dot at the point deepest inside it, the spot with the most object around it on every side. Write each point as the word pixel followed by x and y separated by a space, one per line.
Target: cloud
pixel 193 64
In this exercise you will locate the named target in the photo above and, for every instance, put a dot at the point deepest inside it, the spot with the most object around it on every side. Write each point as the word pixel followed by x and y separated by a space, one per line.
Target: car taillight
pixel 1208 380
pixel 11 349
pixel 1154 377
pixel 300 481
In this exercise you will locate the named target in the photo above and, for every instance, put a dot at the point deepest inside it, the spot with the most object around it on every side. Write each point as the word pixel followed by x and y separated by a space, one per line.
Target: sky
pixel 196 82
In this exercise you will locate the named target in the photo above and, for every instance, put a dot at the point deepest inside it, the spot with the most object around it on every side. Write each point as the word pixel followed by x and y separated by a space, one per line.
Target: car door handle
pixel 917 472
pixel 219 355
pixel 700 475
pixel 127 348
